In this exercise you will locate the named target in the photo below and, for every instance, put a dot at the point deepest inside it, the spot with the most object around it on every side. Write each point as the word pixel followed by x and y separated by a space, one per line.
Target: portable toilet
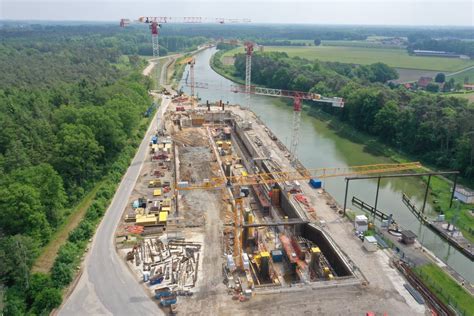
pixel 361 223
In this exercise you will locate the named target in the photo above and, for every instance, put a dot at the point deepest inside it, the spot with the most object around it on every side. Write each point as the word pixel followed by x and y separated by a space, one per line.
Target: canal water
pixel 320 146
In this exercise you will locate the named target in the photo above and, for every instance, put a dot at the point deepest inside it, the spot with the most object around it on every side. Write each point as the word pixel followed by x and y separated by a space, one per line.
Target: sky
pixel 360 12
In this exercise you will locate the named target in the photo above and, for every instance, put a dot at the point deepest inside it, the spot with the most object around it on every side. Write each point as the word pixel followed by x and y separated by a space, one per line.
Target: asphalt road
pixel 106 286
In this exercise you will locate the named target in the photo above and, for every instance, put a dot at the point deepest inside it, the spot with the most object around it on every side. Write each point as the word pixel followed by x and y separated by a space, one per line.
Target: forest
pixel 72 110
pixel 437 129
pixel 425 42
pixel 310 32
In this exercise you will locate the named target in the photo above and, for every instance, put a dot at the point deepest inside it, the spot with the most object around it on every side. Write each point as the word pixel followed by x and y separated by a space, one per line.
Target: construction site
pixel 224 219
pixel 222 208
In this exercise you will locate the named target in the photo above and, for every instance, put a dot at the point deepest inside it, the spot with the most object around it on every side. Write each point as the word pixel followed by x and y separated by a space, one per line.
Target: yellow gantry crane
pixel 305 174
pixel 282 176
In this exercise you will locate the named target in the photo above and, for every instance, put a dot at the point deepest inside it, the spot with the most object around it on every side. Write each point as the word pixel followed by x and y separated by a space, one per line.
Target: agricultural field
pixel 462 75
pixel 397 58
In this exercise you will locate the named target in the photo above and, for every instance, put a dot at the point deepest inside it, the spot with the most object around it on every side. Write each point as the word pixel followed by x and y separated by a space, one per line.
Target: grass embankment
pixel 48 254
pixel 224 71
pixel 446 289
pixel 398 58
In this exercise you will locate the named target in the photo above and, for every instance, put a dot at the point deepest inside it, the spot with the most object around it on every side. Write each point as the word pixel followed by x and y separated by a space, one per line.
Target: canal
pixel 320 146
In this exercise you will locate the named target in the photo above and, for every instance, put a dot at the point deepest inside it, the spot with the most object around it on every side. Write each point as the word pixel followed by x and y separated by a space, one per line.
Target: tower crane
pixel 191 61
pixel 282 176
pixel 155 23
pixel 248 71
pixel 297 96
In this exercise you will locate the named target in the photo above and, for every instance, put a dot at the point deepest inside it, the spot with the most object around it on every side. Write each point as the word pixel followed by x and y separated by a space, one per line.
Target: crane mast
pixel 155 24
pixel 296 129
pixel 297 96
pixel 248 72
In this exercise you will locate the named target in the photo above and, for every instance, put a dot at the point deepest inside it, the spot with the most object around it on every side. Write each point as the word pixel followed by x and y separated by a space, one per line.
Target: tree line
pixel 436 129
pixel 71 114
pixel 424 42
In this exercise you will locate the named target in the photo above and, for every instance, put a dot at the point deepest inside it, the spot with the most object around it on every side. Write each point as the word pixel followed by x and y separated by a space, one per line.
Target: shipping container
pixel 316 183
pixel 168 300
pixel 277 255
pixel 156 279
pixel 165 291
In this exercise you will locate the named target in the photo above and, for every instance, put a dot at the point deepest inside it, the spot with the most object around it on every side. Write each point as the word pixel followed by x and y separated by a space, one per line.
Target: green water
pixel 320 146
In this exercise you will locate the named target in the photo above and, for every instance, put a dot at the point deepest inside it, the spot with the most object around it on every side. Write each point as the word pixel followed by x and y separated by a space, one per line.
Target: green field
pixel 446 288
pixel 460 77
pixel 398 58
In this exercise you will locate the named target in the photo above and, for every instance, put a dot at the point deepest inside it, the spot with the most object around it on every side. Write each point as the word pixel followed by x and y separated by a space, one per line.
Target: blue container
pixel 277 255
pixel 164 292
pixel 154 139
pixel 168 300
pixel 316 183
pixel 156 280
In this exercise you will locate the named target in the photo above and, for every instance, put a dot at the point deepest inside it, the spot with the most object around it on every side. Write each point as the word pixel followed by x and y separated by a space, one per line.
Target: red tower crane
pixel 248 71
pixel 156 21
pixel 297 96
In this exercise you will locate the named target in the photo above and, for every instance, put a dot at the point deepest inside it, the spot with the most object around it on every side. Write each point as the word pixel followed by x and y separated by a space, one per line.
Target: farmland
pixel 460 77
pixel 398 58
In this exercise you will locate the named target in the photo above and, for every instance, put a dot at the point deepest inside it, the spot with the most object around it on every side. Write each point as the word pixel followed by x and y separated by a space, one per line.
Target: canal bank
pixel 320 146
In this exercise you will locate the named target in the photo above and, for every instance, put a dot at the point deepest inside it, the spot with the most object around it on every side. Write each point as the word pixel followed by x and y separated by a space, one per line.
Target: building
pixel 419 52
pixel 468 86
pixel 423 82
pixel 464 195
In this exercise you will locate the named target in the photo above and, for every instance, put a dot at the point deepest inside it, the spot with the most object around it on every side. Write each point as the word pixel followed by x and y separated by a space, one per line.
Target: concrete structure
pixel 464 195
pixel 370 243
